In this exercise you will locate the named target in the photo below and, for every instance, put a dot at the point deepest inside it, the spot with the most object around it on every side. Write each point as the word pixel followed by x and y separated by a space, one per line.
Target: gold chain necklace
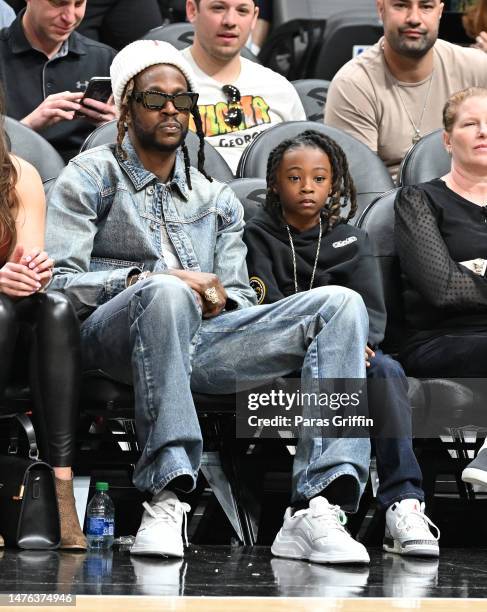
pixel 416 128
pixel 296 288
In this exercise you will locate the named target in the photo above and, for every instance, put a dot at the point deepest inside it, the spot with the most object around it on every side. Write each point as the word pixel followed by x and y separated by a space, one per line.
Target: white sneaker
pixel 318 534
pixel 160 532
pixel 476 470
pixel 407 530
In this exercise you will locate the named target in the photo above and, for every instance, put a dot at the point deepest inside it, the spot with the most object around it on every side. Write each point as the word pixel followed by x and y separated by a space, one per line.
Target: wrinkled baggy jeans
pixel 152 336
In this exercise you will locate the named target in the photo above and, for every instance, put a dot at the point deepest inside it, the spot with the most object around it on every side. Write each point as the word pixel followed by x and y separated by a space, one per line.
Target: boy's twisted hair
pixel 343 189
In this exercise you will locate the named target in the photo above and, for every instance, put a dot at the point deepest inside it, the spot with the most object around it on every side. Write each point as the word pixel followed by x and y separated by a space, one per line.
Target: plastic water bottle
pixel 100 519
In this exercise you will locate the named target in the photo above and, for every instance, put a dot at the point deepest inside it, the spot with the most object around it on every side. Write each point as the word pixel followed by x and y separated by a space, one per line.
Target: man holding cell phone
pixel 45 67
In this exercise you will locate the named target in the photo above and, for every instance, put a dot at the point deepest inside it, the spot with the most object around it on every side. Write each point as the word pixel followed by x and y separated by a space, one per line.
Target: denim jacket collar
pixel 141 177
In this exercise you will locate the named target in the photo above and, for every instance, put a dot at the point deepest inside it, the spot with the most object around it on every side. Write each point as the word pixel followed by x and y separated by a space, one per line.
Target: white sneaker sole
pixel 289 549
pixel 157 552
pixel 475 476
pixel 415 550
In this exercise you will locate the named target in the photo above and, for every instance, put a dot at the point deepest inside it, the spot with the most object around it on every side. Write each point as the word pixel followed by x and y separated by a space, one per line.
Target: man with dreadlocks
pixel 150 252
pixel 300 241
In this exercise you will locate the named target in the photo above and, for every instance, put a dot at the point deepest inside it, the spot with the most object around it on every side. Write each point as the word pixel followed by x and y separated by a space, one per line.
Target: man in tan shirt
pixel 393 93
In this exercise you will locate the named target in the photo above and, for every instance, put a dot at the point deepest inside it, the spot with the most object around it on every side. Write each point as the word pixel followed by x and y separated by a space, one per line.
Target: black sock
pixel 181 484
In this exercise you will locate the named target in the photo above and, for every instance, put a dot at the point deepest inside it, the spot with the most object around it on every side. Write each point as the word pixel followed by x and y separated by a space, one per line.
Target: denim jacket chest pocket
pixel 126 232
pixel 193 231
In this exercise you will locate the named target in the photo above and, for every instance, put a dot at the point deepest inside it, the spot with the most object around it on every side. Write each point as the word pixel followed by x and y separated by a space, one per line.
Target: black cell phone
pixel 99 88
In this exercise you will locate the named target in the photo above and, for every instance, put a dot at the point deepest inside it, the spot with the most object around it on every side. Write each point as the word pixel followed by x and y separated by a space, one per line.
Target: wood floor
pixel 264 604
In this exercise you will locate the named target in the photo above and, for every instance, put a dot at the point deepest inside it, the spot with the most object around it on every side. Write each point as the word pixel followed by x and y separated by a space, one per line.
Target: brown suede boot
pixel 71 535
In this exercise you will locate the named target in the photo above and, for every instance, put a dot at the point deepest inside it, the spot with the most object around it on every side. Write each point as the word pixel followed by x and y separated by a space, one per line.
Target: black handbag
pixel 29 513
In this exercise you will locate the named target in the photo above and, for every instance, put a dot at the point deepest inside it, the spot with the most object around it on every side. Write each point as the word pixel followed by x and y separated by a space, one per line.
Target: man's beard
pixel 413 49
pixel 148 140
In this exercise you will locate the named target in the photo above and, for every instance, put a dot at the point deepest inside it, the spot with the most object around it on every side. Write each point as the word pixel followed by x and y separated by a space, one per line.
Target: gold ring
pixel 211 295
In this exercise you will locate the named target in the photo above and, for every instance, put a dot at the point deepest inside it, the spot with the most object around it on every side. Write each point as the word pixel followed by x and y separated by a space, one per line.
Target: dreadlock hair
pixel 122 128
pixel 122 120
pixel 342 191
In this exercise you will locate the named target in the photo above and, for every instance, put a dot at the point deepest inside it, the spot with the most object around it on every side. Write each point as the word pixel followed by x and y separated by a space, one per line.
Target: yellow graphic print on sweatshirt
pixel 255 111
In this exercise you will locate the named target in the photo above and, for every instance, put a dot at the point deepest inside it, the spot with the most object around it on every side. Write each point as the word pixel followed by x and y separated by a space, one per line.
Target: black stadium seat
pixel 286 10
pixel 181 35
pixel 426 160
pixel 369 173
pixel 35 149
pixel 378 221
pixel 215 165
pixel 345 33
pixel 312 93
pixel 251 192
pixel 290 49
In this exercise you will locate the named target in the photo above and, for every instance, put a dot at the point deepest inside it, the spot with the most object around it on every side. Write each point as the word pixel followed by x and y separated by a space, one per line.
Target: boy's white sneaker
pixel 160 532
pixel 476 470
pixel 408 530
pixel 318 534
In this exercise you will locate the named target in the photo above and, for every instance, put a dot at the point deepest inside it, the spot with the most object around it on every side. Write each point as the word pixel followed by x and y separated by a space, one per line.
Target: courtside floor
pixel 224 578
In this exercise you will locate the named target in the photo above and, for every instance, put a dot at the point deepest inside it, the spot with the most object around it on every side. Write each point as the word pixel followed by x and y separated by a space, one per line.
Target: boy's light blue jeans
pixel 152 336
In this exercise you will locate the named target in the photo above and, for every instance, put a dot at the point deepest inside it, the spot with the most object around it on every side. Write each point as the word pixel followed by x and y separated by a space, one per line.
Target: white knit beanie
pixel 138 56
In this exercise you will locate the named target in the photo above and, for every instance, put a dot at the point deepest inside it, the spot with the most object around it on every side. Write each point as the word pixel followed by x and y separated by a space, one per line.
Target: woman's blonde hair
pixel 450 110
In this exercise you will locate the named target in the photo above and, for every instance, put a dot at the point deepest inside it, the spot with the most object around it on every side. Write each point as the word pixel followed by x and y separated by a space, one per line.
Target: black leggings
pixel 40 333
pixel 453 355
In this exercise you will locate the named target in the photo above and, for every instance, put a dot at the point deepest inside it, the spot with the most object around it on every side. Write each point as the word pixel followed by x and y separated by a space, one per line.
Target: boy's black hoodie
pixel 345 259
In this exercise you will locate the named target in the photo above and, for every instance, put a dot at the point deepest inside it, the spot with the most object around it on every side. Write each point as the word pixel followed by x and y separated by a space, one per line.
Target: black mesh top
pixel 435 229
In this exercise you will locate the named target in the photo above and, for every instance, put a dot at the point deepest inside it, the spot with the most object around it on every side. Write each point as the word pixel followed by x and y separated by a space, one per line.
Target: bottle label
pixel 108 527
pixel 96 526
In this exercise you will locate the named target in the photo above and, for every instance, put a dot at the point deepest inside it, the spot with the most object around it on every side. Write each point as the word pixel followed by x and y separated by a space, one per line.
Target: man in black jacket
pixel 45 67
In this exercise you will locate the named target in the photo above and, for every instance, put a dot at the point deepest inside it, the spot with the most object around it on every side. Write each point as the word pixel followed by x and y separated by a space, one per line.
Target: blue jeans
pixel 152 336
pixel 399 473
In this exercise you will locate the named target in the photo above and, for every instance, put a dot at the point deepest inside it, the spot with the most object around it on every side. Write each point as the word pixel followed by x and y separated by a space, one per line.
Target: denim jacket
pixel 104 222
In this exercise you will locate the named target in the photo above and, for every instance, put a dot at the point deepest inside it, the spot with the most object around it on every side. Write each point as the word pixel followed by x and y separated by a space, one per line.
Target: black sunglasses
pixel 233 117
pixel 155 100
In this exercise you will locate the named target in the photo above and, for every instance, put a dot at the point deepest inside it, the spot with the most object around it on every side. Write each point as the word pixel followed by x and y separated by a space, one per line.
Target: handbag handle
pixel 26 423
